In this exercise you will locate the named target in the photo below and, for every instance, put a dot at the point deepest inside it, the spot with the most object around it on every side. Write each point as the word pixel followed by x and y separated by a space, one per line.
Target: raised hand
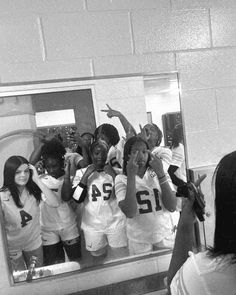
pixel 111 112
pixel 156 164
pixel 132 165
pixel 143 133
pixel 45 137
pixel 35 176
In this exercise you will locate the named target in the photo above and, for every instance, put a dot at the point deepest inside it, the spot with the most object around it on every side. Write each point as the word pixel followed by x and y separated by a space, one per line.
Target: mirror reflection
pixel 93 178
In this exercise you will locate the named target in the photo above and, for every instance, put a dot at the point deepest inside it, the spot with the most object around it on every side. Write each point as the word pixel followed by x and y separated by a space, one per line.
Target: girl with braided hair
pixel 58 225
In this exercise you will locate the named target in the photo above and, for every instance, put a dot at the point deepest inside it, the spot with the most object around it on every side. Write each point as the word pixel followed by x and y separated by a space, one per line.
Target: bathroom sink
pixel 46 271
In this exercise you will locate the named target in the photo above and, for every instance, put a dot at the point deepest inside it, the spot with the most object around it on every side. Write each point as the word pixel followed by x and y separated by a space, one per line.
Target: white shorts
pixel 142 247
pixel 95 241
pixel 65 234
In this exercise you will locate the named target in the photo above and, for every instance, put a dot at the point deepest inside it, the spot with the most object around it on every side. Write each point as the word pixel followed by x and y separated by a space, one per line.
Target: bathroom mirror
pixel 68 105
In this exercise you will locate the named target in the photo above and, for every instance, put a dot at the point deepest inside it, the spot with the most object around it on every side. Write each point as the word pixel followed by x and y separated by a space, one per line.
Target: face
pixel 99 156
pixel 22 175
pixel 53 167
pixel 151 131
pixel 87 139
pixel 142 155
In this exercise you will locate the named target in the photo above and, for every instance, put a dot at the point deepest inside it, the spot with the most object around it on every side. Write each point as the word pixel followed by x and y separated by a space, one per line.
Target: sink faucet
pixel 31 270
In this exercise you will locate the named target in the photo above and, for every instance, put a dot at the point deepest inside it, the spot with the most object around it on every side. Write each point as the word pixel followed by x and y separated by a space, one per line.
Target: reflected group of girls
pixel 121 197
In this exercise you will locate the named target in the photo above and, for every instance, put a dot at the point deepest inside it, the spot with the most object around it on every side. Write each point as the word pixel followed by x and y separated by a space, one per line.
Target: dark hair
pixel 79 149
pixel 53 149
pixel 87 133
pixel 127 150
pixel 225 207
pixel 177 136
pixel 96 143
pixel 109 131
pixel 159 133
pixel 10 167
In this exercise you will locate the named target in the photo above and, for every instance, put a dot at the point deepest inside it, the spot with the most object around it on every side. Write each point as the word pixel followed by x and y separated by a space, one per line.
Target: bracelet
pixel 159 178
pixel 164 182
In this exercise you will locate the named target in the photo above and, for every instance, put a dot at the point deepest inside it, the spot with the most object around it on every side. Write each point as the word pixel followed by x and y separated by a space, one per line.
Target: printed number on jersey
pixel 145 203
pixel 104 192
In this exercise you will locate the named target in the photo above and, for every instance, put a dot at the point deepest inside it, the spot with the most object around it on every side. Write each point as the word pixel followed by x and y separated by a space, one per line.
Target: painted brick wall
pixel 56 39
pixel 65 39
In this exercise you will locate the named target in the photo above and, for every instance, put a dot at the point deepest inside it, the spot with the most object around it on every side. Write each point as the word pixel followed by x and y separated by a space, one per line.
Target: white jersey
pixel 60 217
pixel 101 211
pixel 178 159
pixel 114 156
pixel 152 222
pixel 21 224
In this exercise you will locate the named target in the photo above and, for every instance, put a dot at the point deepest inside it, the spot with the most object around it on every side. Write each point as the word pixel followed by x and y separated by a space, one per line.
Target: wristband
pixel 164 182
pixel 159 178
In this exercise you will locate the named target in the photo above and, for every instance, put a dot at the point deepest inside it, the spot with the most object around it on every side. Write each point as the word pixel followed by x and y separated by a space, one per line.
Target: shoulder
pixel 5 195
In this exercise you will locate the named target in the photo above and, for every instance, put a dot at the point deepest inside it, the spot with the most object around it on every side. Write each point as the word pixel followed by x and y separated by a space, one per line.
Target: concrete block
pixel 48 70
pixel 148 63
pixel 126 4
pixel 223 23
pixel 226 107
pixel 207 69
pixel 20 39
pixel 199 110
pixel 80 35
pixel 163 30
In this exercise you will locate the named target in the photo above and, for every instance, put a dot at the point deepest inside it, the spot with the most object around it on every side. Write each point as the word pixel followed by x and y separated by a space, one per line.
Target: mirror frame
pixel 60 85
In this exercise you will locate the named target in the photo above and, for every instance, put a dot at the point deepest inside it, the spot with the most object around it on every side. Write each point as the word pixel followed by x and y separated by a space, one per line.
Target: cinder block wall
pixel 43 40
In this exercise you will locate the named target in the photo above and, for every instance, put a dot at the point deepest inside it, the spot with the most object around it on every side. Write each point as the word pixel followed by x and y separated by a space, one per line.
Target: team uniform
pixel 22 224
pixel 102 220
pixel 57 223
pixel 152 225
pixel 115 155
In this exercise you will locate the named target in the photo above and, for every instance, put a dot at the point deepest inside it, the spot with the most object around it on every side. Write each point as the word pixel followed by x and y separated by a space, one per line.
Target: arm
pixel 184 237
pixel 129 204
pixel 66 190
pixel 168 196
pixel 129 129
pixel 81 190
pixel 85 152
pixel 183 240
pixel 36 154
pixel 51 197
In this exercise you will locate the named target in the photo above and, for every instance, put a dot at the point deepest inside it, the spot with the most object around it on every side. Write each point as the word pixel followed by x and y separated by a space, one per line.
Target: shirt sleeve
pixel 178 156
pixel 120 187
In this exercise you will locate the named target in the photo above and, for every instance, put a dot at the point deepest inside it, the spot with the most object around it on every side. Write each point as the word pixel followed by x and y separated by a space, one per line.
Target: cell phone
pixel 199 203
